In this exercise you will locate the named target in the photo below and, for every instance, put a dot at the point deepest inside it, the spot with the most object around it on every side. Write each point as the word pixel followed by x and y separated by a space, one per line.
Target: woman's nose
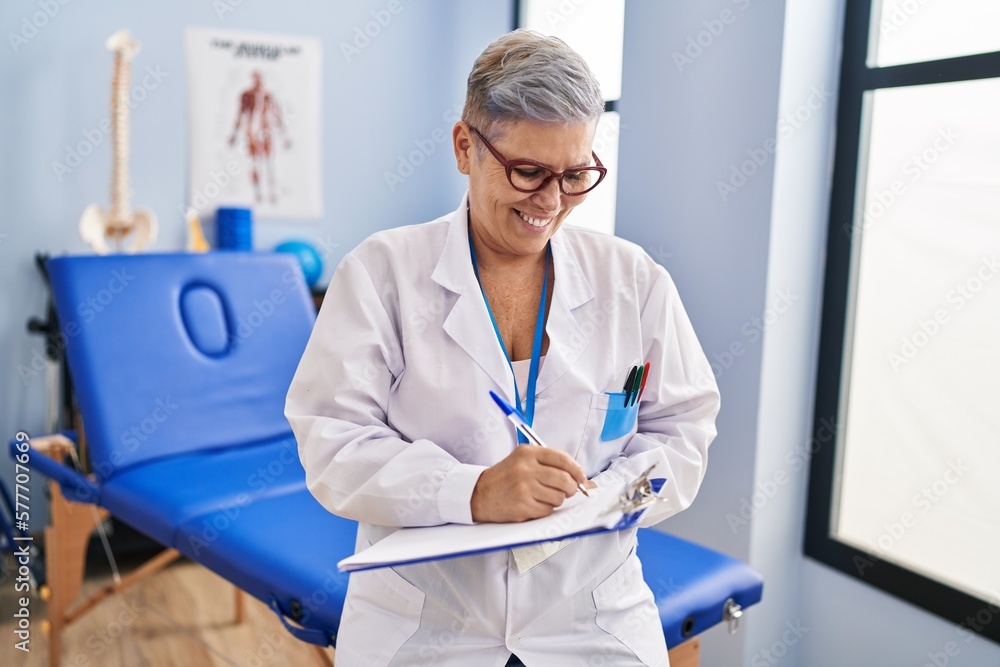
pixel 547 198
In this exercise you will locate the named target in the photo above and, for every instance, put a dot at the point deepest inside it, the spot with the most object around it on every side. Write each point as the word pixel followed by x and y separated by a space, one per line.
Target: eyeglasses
pixel 529 176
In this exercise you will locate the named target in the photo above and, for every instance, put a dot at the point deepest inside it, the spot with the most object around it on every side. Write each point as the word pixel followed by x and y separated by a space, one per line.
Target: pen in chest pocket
pixel 628 383
pixel 635 384
pixel 642 385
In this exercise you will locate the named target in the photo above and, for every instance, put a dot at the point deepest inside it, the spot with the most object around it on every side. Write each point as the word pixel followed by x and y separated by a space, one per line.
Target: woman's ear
pixel 461 139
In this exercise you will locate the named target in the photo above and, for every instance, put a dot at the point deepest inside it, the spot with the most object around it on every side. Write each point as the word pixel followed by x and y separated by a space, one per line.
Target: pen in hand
pixel 515 417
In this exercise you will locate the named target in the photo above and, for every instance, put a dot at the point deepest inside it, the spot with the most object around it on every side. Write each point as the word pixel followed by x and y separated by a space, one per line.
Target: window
pixel 910 31
pixel 904 491
pixel 596 30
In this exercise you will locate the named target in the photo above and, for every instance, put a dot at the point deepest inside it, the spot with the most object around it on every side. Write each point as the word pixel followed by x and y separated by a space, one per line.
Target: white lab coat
pixel 391 409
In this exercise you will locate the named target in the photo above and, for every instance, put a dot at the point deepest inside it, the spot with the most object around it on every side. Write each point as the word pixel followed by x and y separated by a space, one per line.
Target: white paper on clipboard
pixel 604 510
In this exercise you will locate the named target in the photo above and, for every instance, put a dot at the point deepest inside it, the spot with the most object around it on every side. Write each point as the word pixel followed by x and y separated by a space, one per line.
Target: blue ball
pixel 308 256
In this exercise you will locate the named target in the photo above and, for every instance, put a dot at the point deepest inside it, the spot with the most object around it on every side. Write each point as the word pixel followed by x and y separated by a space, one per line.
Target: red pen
pixel 645 376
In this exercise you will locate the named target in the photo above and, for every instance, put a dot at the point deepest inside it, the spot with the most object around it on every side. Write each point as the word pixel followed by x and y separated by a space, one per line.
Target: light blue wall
pixel 682 130
pixel 700 88
pixel 684 125
pixel 398 90
pixel 852 623
pixel 807 105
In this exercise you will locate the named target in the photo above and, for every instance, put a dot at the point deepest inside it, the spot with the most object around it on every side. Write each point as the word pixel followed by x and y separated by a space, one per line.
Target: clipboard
pixel 607 509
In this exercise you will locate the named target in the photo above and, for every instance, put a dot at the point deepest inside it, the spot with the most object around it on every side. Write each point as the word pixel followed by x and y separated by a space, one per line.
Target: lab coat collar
pixel 468 323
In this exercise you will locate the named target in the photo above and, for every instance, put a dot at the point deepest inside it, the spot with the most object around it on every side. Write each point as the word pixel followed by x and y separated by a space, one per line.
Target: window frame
pixel 853 116
pixel 518 14
pixel 518 22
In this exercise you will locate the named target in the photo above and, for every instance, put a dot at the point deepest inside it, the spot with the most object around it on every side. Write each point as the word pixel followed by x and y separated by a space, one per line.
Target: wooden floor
pixel 182 616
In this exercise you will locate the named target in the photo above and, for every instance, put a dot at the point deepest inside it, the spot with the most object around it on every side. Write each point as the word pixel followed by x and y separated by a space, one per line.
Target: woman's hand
pixel 530 483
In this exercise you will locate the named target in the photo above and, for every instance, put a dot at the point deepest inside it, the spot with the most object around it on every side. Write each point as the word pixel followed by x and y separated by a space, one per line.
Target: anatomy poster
pixel 254 106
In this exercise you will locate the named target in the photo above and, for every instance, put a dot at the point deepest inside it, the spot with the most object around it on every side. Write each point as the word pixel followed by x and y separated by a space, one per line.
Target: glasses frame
pixel 510 165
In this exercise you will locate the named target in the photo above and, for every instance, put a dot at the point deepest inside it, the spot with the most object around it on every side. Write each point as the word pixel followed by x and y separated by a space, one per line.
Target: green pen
pixel 636 384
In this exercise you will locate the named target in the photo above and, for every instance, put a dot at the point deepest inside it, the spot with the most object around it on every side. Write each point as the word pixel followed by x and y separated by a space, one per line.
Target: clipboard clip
pixel 639 494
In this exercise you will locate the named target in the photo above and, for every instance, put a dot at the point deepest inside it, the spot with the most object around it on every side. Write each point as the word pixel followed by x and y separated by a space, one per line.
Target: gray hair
pixel 525 75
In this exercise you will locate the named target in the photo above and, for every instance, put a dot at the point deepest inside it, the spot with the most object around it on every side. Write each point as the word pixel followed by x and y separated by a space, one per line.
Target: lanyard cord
pixel 536 346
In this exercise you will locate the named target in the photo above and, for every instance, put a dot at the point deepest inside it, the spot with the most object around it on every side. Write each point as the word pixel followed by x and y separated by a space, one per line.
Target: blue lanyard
pixel 536 346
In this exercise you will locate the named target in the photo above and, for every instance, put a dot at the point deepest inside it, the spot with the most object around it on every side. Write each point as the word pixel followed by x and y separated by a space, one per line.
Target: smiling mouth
pixel 534 222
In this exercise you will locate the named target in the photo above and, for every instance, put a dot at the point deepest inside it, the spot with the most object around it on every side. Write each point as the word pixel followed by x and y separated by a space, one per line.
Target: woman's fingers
pixel 557 479
pixel 529 483
pixel 561 460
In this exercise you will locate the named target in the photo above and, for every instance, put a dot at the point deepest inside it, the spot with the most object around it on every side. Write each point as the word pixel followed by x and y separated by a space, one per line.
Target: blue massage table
pixel 181 363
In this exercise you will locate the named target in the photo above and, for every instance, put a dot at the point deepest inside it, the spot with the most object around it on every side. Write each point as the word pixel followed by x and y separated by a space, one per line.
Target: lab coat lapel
pixel 468 322
pixel 567 337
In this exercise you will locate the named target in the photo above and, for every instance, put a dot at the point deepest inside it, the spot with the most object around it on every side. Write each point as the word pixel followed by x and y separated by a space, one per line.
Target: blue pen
pixel 517 420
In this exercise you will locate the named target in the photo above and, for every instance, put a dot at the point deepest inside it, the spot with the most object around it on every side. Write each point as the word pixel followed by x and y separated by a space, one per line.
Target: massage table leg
pixel 686 654
pixel 65 552
pixel 66 549
pixel 66 540
pixel 240 605
pixel 325 659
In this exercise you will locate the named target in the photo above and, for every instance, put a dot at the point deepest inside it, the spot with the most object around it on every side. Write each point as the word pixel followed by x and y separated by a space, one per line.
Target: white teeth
pixel 534 222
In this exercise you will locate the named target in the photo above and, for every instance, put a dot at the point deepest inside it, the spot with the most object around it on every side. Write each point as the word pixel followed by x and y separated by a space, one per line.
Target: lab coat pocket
pixel 385 613
pixel 626 610
pixel 604 418
pixel 619 418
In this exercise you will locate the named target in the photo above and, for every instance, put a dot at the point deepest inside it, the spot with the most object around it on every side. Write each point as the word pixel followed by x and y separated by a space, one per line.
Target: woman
pixel 391 408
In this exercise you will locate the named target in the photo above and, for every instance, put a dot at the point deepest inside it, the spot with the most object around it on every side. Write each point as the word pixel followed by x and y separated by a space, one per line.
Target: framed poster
pixel 254 117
